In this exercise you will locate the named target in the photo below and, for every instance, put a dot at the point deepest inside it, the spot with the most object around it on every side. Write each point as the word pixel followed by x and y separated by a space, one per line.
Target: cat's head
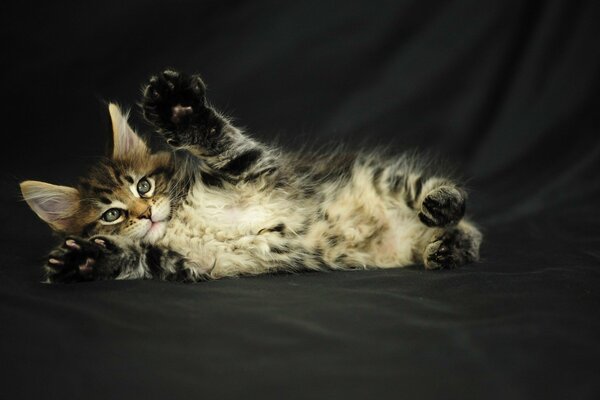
pixel 127 194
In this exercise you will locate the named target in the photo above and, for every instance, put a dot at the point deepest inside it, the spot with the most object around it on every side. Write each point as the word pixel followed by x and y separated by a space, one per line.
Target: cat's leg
pixel 440 205
pixel 176 105
pixel 452 247
pixel 438 202
pixel 168 265
pixel 116 257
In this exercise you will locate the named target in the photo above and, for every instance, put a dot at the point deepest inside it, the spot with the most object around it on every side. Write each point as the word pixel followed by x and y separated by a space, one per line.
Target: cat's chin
pixel 155 232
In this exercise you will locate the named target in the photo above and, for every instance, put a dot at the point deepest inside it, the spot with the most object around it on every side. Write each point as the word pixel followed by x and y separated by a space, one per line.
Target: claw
pixel 72 244
pixel 100 242
pixel 443 250
pixel 55 261
pixel 197 86
pixel 173 142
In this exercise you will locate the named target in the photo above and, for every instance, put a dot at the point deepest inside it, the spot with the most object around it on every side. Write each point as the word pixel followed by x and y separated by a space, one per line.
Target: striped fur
pixel 222 204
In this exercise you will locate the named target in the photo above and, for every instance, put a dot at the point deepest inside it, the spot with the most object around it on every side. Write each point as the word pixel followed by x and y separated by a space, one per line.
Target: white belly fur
pixel 219 230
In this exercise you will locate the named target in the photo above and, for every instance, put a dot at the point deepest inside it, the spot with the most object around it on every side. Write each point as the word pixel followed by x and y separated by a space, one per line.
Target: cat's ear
pixel 56 205
pixel 126 143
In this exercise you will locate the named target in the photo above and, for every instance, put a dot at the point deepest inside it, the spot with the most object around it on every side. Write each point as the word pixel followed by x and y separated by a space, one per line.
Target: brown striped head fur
pixel 128 194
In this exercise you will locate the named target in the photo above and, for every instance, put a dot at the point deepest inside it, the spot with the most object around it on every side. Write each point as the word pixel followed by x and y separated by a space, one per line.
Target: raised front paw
pixel 78 260
pixel 176 104
pixel 443 206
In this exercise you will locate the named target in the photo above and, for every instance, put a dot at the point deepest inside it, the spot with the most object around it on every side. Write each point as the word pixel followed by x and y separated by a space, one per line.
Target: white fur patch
pixel 229 229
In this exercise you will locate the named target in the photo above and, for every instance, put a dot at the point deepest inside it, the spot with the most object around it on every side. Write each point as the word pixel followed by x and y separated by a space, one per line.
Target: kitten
pixel 220 204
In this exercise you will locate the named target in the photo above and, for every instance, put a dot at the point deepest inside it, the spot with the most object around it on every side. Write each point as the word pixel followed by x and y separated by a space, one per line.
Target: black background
pixel 507 90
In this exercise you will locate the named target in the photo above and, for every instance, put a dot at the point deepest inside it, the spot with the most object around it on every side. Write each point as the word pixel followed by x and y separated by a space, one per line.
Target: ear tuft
pixel 126 143
pixel 56 205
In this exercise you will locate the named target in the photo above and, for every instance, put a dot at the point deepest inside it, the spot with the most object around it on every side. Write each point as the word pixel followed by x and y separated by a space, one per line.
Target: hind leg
pixel 453 247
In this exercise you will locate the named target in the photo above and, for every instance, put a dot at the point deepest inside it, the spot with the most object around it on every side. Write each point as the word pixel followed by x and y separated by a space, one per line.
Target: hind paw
pixel 443 206
pixel 453 248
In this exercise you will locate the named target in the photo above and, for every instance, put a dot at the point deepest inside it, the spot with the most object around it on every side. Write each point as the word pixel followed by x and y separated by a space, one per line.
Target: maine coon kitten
pixel 219 204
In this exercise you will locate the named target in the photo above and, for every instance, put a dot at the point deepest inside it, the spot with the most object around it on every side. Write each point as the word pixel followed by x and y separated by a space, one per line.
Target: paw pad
pixel 179 112
pixel 77 259
pixel 443 206
pixel 86 267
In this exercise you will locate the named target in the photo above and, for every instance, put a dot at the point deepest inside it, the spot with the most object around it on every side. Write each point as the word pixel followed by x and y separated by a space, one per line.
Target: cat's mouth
pixel 156 225
pixel 155 231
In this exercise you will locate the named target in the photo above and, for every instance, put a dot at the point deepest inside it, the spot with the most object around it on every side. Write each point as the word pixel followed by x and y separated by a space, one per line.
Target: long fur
pixel 222 204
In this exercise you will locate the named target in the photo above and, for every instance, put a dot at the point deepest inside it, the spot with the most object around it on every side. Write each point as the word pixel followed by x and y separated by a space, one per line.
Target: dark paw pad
pixel 179 113
pixel 443 206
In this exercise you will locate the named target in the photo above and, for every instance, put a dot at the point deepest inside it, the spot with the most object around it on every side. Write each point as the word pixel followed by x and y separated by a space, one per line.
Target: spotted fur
pixel 220 204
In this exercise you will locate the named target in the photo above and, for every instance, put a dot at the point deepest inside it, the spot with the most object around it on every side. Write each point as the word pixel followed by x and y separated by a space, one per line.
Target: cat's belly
pixel 364 229
pixel 232 234
pixel 229 234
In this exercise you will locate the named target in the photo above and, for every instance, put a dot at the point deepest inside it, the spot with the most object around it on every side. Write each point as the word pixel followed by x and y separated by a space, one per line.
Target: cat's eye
pixel 143 186
pixel 112 215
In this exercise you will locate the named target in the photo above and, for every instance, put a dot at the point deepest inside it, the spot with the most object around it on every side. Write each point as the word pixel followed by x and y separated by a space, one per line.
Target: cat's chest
pixel 228 215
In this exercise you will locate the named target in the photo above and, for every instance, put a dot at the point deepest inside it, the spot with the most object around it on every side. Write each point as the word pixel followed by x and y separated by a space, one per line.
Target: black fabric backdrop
pixel 507 90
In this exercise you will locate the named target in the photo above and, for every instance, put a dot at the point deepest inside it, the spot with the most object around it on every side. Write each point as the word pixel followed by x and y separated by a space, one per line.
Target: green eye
pixel 143 186
pixel 112 215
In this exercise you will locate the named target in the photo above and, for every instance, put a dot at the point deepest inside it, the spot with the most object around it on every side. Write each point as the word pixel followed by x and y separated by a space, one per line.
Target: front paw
pixel 176 104
pixel 78 260
pixel 443 206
